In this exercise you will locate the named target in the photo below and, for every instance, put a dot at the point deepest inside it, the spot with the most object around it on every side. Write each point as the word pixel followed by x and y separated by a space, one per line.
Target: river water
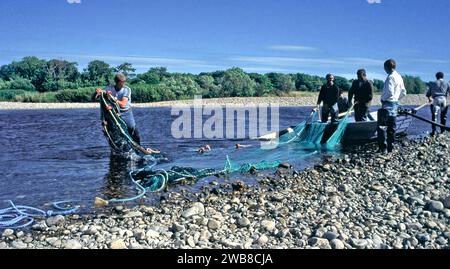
pixel 54 155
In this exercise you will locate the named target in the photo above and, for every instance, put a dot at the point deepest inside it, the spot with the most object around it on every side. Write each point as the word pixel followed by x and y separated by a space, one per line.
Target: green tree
pixel 208 87
pixel 98 72
pixel 281 82
pixel 21 84
pixel 263 84
pixel 31 68
pixel 144 93
pixel 342 83
pixel 154 75
pixel 126 68
pixel 378 84
pixel 414 85
pixel 237 83
pixel 61 70
pixel 181 85
pixel 304 82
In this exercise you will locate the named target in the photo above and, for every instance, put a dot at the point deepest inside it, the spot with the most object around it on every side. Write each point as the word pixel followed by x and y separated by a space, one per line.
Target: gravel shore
pixel 412 99
pixel 354 201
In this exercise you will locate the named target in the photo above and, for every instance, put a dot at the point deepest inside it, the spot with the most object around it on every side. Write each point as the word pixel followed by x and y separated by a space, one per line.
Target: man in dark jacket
pixel 437 95
pixel 362 90
pixel 329 94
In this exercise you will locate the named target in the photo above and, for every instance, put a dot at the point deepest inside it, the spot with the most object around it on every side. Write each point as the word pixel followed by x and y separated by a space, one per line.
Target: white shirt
pixel 124 92
pixel 394 88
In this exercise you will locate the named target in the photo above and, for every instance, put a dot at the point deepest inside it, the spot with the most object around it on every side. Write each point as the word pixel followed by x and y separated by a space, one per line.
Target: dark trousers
pixel 128 118
pixel 361 112
pixel 386 130
pixel 134 133
pixel 434 116
pixel 326 111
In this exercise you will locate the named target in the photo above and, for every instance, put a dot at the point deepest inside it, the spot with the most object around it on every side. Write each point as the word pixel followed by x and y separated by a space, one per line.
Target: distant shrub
pixel 82 95
pixel 10 95
pixel 145 93
pixel 21 84
pixel 36 97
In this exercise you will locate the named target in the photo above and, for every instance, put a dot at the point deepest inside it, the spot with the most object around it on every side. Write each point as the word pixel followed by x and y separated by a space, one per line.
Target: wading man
pixel 393 91
pixel 122 95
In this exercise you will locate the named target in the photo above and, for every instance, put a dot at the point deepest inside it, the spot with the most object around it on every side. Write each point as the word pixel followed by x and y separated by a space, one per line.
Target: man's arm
pixel 403 91
pixel 123 103
pixel 448 89
pixel 126 97
pixel 370 92
pixel 351 93
pixel 97 93
pixel 336 92
pixel 428 94
pixel 388 89
pixel 320 99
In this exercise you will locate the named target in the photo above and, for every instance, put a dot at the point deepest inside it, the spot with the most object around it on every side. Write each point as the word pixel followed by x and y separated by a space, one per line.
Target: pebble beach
pixel 360 200
pixel 412 99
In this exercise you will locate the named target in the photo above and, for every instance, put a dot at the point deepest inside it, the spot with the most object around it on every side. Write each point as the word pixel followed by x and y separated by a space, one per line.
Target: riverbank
pixel 359 200
pixel 412 99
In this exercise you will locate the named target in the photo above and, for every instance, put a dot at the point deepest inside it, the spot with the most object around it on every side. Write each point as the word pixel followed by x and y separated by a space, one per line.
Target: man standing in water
pixel 329 95
pixel 362 90
pixel 393 91
pixel 122 95
pixel 437 94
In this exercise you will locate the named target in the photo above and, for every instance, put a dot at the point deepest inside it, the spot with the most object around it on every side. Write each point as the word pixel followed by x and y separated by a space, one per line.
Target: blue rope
pixel 20 216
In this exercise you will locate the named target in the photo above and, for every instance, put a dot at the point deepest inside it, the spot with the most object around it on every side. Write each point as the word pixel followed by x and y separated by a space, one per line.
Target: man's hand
pixel 98 92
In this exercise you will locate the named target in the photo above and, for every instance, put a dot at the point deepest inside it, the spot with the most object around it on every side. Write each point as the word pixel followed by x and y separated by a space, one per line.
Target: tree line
pixel 37 80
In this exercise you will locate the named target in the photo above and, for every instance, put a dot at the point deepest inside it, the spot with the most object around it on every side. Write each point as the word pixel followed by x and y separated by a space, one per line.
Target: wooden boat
pixel 356 132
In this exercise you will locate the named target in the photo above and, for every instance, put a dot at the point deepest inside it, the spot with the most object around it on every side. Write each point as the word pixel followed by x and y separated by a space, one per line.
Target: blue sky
pixel 309 36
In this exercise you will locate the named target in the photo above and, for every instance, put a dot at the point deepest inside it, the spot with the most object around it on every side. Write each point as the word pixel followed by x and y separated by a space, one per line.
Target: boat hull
pixel 359 132
pixel 355 132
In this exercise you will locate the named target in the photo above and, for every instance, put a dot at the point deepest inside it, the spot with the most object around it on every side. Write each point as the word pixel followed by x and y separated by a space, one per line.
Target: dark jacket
pixel 363 94
pixel 328 95
pixel 343 104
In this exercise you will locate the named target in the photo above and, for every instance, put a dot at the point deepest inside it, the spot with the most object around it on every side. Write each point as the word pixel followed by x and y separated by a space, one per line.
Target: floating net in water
pixel 116 130
pixel 304 140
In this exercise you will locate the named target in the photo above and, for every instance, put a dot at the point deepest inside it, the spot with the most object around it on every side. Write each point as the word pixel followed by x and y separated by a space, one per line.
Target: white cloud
pixel 370 75
pixel 430 61
pixel 74 1
pixel 291 48
pixel 263 69
pixel 307 62
pixel 137 59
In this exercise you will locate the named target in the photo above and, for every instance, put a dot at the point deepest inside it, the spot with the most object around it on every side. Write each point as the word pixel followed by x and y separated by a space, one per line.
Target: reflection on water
pixel 117 178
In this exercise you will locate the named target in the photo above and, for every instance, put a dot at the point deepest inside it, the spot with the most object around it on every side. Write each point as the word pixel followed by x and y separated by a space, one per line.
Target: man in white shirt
pixel 394 90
